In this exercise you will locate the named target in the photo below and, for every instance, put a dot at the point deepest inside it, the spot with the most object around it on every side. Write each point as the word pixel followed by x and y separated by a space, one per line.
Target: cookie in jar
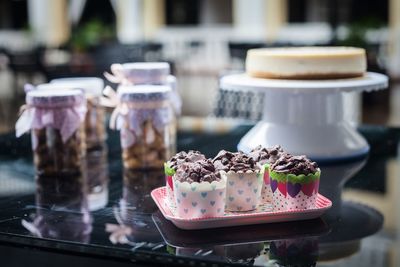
pixel 145 117
pixel 55 119
pixel 92 87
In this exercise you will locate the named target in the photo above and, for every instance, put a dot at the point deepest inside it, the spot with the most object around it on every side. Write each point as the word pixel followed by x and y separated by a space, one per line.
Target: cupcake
pixel 171 166
pixel 199 190
pixel 294 182
pixel 264 157
pixel 244 182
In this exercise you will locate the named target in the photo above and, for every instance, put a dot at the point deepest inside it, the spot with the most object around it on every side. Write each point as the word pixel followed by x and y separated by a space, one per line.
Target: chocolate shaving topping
pixel 182 157
pixel 296 165
pixel 200 171
pixel 238 161
pixel 264 155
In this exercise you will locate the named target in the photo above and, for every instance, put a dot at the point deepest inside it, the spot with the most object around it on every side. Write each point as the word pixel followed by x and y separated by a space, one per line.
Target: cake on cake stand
pixel 306 116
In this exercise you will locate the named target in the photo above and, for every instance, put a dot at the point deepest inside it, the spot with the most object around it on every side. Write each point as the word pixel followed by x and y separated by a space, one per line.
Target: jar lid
pixel 146 72
pixel 136 93
pixel 90 85
pixel 47 97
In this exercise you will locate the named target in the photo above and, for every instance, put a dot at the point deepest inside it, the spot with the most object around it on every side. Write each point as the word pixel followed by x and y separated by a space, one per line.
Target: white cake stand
pixel 306 116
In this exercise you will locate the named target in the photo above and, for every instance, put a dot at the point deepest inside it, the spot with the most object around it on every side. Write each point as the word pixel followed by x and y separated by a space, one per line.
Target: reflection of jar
pixel 136 205
pixel 95 117
pixel 97 177
pixel 56 119
pixel 62 211
pixel 62 191
pixel 137 187
pixel 147 124
pixel 61 208
pixel 63 225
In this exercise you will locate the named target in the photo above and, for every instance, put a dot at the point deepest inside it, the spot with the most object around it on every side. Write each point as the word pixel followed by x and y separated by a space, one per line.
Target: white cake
pixel 306 62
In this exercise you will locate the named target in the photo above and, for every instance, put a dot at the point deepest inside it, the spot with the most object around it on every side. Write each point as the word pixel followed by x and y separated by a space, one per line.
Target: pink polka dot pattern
pixel 301 201
pixel 266 194
pixel 170 196
pixel 279 202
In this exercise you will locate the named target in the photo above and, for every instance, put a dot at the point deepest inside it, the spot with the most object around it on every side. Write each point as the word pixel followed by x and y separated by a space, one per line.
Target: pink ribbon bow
pixel 117 75
pixel 66 119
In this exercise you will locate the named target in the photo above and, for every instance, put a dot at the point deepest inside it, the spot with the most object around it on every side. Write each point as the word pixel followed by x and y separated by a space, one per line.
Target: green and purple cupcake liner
pixel 292 192
pixel 169 184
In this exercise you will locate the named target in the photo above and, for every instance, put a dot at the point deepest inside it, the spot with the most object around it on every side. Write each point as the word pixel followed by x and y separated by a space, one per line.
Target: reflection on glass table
pixel 246 244
pixel 97 176
pixel 134 226
pixel 130 227
pixel 62 211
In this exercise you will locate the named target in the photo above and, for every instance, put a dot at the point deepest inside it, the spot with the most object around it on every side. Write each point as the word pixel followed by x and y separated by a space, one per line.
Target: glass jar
pixel 140 73
pixel 145 118
pixel 56 118
pixel 95 131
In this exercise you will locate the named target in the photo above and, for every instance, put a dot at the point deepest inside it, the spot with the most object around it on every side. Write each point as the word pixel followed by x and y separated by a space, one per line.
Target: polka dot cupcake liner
pixel 199 200
pixel 169 184
pixel 283 198
pixel 266 192
pixel 291 192
pixel 243 190
pixel 170 196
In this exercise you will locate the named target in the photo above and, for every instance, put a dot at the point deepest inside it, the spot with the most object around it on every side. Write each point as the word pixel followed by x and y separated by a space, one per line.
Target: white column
pixel 249 18
pixel 394 39
pixel 276 17
pixel 154 17
pixel 260 17
pixel 49 21
pixel 129 14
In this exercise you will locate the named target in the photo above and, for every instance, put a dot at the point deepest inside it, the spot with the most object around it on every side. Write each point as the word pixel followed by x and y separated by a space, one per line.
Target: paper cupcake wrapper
pixel 200 200
pixel 169 184
pixel 301 179
pixel 279 201
pixel 170 197
pixel 301 201
pixel 266 193
pixel 243 190
pixel 298 191
pixel 289 196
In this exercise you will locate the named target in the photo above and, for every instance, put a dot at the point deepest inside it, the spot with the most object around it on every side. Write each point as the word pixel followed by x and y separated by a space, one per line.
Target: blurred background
pixel 202 39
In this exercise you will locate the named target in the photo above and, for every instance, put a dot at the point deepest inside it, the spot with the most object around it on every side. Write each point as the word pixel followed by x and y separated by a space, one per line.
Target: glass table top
pixel 361 228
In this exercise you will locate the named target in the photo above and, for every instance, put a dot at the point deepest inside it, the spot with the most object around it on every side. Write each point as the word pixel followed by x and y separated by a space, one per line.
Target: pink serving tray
pixel 259 216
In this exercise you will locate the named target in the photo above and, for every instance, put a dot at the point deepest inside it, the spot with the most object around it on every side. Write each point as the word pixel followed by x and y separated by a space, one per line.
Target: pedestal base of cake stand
pixel 320 143
pixel 306 117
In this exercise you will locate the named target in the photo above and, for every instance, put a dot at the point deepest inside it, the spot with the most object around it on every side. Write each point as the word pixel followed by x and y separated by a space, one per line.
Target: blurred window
pixel 297 10
pixel 182 12
pixel 369 11
pixel 98 9
pixel 13 14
